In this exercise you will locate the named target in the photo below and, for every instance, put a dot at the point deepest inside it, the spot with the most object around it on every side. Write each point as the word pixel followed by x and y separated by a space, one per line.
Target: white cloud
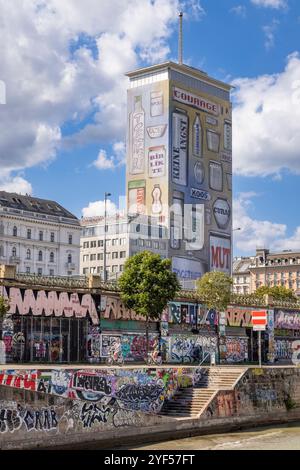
pixel 104 162
pixel 259 233
pixel 239 10
pixel 266 118
pixel 277 4
pixel 66 61
pixel 15 184
pixel 97 208
pixel 269 31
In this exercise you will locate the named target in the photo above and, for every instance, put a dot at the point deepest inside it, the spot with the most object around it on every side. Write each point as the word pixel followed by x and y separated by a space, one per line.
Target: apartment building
pixel 38 236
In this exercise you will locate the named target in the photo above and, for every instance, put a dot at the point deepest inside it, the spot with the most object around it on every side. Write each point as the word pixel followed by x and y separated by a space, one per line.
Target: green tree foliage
pixel 147 285
pixel 4 307
pixel 277 292
pixel 214 289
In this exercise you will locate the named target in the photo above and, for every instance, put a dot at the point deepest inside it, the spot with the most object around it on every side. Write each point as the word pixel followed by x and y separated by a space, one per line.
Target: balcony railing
pixel 70 266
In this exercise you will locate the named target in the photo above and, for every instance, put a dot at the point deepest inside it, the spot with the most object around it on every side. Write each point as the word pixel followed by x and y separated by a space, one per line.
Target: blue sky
pixel 63 125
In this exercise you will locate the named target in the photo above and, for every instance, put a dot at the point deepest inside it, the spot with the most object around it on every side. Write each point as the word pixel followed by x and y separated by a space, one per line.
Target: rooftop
pixel 183 68
pixel 34 205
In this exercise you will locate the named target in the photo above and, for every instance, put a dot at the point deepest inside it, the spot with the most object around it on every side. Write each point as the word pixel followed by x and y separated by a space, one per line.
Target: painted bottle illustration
pixel 197 137
pixel 156 200
pixel 138 138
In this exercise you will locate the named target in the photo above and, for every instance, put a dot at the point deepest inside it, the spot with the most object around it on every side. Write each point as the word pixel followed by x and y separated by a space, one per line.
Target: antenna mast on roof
pixel 180 40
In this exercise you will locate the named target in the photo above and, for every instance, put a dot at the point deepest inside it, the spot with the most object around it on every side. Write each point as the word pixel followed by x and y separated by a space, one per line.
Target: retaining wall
pixel 70 407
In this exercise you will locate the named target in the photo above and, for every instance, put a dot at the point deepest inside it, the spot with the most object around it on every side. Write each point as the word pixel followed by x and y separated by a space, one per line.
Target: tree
pixel 277 292
pixel 147 285
pixel 214 289
pixel 4 307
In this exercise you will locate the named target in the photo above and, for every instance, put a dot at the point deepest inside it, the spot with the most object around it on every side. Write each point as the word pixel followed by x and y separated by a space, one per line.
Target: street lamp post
pixel 106 195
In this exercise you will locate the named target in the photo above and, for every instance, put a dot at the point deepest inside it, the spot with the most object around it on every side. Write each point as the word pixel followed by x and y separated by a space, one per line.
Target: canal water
pixel 271 438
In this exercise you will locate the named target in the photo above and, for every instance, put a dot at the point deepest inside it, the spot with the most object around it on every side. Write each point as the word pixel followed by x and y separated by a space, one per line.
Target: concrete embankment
pixel 113 407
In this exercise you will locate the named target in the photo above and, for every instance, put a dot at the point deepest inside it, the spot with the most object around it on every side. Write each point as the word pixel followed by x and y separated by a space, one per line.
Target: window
pixel 107 255
pixel 70 239
pixel 85 271
pixel 93 244
pixel 123 254
pixel 29 233
pixel 115 269
pixel 93 257
pixel 86 244
pixel 28 254
pixel 100 243
pixel 40 272
pixel 51 257
pixel 85 258
pixel 156 245
pixel 1 250
pixel 148 244
pixel 114 242
pixel 100 257
pixel 115 255
pixel 121 268
pixel 51 272
pixel 122 241
pixel 41 236
pixel 15 231
pixel 52 237
pixel 27 270
pixel 14 252
pixel 108 242
pixel 141 242
pixel 40 256
pixel 70 258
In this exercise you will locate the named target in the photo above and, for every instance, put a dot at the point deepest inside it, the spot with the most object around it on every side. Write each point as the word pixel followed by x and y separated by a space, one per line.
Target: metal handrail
pixel 206 355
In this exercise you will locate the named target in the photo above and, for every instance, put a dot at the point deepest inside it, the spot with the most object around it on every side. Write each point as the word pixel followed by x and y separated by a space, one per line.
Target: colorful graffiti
pixel 133 389
pixel 283 349
pixel 115 310
pixel 189 349
pixel 236 349
pixel 94 343
pixel 288 320
pixel 51 303
pixel 239 316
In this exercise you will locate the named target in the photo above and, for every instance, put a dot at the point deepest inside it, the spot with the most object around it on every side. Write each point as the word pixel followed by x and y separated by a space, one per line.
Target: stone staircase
pixel 191 402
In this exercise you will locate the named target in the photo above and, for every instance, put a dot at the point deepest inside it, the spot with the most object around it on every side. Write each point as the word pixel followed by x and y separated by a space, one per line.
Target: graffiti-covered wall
pixel 35 403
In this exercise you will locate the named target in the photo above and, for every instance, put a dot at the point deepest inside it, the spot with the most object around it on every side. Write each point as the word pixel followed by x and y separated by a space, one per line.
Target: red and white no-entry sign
pixel 259 320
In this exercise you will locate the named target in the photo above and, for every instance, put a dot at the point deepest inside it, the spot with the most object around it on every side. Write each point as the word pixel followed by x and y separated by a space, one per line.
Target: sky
pixel 63 99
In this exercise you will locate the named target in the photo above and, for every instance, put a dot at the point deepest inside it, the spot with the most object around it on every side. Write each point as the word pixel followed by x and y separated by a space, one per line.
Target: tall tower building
pixel 179 163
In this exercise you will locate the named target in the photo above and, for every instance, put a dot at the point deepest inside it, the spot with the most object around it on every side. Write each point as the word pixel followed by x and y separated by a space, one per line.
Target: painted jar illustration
pixel 156 103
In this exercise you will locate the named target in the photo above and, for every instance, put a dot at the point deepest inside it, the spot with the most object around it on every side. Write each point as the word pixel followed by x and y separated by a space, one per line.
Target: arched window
pixel 15 231
pixel 28 254
pixel 51 257
pixel 40 258
pixel 14 252
pixel 69 258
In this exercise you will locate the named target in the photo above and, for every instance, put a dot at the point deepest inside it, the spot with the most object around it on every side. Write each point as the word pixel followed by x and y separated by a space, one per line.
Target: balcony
pixel 14 260
pixel 70 266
